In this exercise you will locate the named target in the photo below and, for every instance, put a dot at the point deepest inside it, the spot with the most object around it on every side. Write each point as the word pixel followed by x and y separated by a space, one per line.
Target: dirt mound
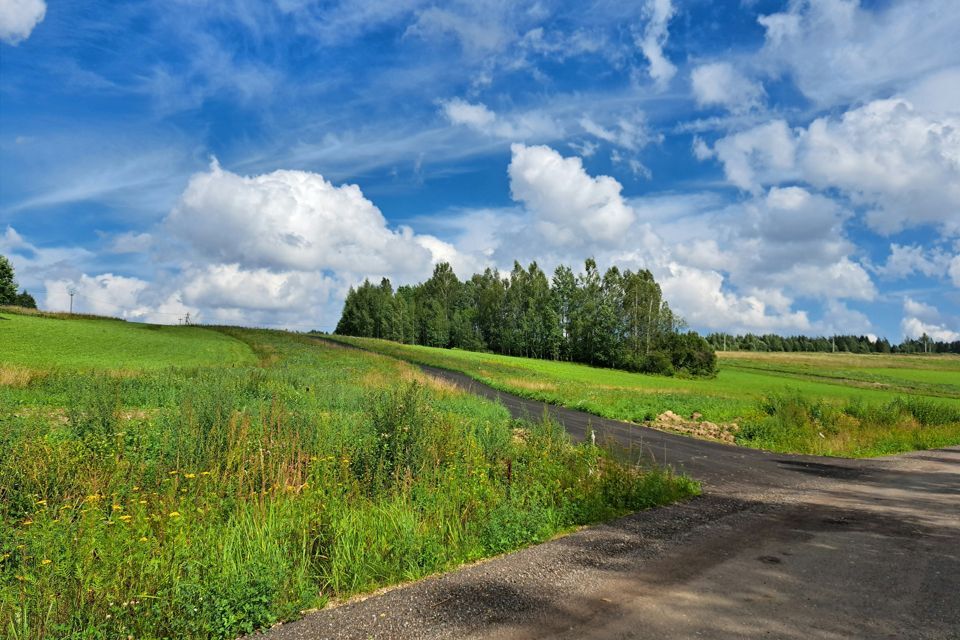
pixel 696 426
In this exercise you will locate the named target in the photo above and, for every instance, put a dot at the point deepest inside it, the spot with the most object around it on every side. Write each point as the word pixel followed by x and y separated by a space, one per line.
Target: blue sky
pixel 788 167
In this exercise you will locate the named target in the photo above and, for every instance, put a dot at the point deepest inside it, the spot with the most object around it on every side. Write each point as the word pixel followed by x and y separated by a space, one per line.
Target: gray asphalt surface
pixel 778 546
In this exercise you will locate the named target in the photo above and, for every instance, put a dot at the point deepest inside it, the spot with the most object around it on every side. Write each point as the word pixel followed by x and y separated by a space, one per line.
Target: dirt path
pixel 777 547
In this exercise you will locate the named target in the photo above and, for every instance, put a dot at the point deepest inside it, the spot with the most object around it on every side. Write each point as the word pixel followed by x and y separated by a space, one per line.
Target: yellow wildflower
pixel 174 514
pixel 46 561
pixel 117 507
pixel 41 502
pixel 189 475
pixel 143 538
pixel 27 522
pixel 126 518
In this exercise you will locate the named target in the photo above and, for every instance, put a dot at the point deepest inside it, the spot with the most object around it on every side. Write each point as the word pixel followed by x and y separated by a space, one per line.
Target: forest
pixel 614 319
pixel 827 344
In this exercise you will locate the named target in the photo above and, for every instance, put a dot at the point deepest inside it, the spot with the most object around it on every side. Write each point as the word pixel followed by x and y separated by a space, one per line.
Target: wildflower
pixel 174 514
pixel 190 475
pixel 126 518
pixel 41 502
pixel 117 507
pixel 46 561
pixel 136 488
pixel 204 473
pixel 173 473
pixel 27 522
pixel 141 501
pixel 143 538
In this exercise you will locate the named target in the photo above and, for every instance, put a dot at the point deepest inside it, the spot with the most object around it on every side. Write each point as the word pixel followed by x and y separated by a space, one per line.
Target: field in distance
pixel 34 340
pixel 825 404
pixel 208 501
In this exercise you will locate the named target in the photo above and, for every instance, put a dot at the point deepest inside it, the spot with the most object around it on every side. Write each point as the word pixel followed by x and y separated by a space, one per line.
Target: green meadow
pixel 825 404
pixel 44 340
pixel 203 483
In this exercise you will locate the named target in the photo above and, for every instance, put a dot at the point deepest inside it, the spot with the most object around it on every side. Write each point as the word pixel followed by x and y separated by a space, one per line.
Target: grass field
pixel 209 501
pixel 828 404
pixel 40 341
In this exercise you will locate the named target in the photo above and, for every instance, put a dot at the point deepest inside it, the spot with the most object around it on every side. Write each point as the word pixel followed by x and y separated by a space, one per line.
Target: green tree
pixel 8 282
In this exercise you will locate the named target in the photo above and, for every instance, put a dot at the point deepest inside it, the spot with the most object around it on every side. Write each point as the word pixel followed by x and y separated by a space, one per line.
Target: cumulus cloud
pixel 104 294
pixel 837 50
pixel 906 260
pixel 654 38
pixel 570 206
pixel 923 319
pixel 18 19
pixel 704 302
pixel 762 155
pixel 721 84
pixel 291 220
pixel 788 239
pixel 901 165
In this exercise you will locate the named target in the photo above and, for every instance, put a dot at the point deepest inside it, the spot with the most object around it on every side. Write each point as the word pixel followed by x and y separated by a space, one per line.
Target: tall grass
pixel 795 423
pixel 206 503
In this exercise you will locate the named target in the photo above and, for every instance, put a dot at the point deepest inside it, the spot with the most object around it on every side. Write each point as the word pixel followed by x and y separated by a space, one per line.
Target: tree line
pixel 612 319
pixel 8 287
pixel 827 344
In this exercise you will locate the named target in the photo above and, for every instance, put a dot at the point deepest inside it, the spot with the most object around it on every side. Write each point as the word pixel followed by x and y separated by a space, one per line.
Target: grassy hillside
pixel 205 502
pixel 807 403
pixel 37 341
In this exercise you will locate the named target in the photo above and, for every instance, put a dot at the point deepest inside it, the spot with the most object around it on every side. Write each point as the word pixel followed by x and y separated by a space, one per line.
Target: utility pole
pixel 186 320
pixel 72 291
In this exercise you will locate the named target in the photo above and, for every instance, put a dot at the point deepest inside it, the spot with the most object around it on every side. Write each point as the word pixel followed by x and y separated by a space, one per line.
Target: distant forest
pixel 615 319
pixel 823 344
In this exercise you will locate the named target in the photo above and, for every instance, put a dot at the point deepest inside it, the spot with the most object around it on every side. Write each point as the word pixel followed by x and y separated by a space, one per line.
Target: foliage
pixel 206 502
pixel 611 320
pixel 828 344
pixel 799 424
pixel 8 288
pixel 868 389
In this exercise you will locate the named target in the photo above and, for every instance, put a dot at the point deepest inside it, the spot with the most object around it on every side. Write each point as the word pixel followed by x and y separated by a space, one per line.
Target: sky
pixel 786 167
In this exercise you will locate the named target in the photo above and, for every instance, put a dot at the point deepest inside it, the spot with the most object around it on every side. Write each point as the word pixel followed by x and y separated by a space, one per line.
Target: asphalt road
pixel 778 546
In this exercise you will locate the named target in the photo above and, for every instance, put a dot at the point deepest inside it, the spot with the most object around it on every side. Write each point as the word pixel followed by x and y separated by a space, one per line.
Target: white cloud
pixel 105 294
pixel 570 206
pixel 18 19
pixel 837 51
pixel 701 150
pixel 905 260
pixel 522 126
pixel 954 270
pixel 762 155
pixel 719 83
pixel 229 286
pixel 921 310
pixel 925 319
pixel 654 38
pixel 915 328
pixel 631 132
pixel 130 242
pixel 700 296
pixel 899 164
pixel 902 164
pixel 291 220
